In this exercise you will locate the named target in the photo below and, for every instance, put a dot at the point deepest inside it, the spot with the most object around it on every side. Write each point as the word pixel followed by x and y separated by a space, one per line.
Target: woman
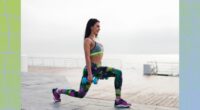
pixel 93 56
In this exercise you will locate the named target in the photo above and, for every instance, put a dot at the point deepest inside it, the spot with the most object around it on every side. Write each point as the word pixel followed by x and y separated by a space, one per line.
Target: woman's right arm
pixel 87 44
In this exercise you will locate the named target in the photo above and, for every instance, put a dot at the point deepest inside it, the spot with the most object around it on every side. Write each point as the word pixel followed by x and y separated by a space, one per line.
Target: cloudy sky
pixel 127 26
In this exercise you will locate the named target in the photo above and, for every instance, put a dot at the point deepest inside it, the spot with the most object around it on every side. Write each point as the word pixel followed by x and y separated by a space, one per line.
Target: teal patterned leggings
pixel 101 72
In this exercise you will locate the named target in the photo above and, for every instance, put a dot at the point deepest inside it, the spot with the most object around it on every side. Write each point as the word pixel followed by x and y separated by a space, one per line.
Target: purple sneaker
pixel 122 104
pixel 56 96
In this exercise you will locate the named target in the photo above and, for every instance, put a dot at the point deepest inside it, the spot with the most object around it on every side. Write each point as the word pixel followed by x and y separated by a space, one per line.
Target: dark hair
pixel 91 22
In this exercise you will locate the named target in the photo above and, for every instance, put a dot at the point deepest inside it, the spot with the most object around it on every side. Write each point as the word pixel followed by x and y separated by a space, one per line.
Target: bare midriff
pixel 96 59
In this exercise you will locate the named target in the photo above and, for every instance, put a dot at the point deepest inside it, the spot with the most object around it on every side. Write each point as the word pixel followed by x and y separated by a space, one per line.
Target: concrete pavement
pixel 36 93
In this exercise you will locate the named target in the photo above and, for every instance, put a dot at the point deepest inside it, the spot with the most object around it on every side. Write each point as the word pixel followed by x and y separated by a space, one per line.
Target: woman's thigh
pixel 103 72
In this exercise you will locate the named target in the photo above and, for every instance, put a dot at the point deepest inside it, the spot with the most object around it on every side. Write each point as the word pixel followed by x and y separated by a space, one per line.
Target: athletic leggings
pixel 101 72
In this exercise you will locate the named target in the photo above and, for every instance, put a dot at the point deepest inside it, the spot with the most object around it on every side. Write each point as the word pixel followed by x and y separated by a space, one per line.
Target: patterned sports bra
pixel 97 49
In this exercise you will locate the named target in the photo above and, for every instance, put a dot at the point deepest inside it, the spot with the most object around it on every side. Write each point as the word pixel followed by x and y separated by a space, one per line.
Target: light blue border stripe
pixel 189 55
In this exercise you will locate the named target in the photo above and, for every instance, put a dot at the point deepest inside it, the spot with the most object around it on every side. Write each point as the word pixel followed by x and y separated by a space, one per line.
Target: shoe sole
pixel 55 100
pixel 122 106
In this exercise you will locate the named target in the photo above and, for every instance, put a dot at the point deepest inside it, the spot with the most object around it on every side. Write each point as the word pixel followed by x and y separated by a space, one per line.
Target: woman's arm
pixel 87 47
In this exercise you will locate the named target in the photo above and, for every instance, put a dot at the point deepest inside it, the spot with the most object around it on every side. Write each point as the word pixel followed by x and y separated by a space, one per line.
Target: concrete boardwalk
pixel 36 93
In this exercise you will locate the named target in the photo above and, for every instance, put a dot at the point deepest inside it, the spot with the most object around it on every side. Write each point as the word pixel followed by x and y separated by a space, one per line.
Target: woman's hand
pixel 90 78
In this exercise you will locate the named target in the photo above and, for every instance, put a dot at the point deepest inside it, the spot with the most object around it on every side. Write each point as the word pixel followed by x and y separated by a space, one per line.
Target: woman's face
pixel 96 28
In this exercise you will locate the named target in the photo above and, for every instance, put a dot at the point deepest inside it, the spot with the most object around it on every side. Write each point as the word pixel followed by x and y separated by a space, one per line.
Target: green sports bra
pixel 98 49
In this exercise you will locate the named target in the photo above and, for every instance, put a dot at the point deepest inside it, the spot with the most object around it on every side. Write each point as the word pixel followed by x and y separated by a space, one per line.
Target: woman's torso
pixel 96 52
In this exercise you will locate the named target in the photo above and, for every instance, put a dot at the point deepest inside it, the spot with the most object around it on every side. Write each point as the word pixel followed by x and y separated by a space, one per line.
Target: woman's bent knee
pixel 81 95
pixel 118 72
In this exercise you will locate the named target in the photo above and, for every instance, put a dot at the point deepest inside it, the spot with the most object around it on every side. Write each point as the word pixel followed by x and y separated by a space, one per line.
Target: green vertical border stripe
pixel 189 55
pixel 10 91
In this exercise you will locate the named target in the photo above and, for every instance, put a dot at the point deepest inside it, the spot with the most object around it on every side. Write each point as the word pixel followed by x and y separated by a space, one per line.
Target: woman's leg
pixel 105 72
pixel 84 87
pixel 79 94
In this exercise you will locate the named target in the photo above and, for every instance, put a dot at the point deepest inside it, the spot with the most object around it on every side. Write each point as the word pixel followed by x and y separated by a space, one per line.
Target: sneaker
pixel 56 96
pixel 122 104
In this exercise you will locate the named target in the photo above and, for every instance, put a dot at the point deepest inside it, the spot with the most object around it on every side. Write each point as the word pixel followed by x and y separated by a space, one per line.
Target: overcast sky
pixel 127 26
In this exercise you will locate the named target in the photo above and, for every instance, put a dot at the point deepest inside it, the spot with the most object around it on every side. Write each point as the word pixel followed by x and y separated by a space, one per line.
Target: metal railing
pixel 164 68
pixel 67 62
